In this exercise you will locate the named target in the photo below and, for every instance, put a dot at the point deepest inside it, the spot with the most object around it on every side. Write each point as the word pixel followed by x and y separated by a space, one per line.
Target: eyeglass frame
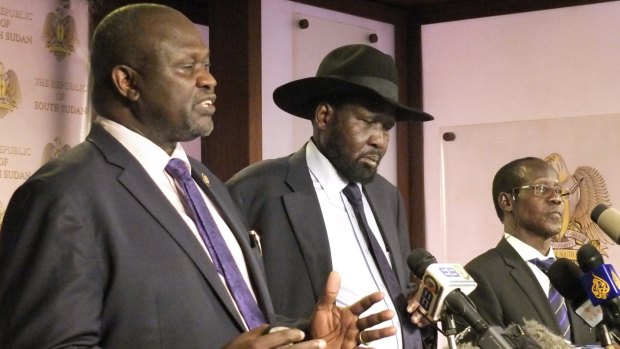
pixel 562 194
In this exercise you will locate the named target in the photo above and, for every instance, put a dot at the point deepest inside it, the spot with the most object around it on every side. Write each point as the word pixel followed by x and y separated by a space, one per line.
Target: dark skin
pixel 353 136
pixel 532 219
pixel 171 90
pixel 165 92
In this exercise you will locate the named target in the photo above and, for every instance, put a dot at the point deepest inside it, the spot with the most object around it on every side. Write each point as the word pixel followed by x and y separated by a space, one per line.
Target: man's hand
pixel 342 327
pixel 258 339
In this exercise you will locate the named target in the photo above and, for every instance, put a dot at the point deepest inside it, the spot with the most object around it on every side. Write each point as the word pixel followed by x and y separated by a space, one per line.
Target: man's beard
pixel 336 151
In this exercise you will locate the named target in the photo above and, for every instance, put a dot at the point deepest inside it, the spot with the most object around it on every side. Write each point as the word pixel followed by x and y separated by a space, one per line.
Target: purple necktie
pixel 220 254
pixel 555 299
pixel 411 335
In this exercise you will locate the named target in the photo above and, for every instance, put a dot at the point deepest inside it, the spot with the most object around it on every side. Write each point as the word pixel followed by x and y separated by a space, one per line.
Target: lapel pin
pixel 256 241
pixel 205 179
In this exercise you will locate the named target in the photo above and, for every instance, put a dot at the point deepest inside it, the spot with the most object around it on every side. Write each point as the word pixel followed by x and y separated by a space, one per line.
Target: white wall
pixel 545 65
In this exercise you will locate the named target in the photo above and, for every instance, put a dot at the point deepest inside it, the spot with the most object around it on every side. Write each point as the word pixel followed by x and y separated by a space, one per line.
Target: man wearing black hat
pixel 325 207
pixel 127 242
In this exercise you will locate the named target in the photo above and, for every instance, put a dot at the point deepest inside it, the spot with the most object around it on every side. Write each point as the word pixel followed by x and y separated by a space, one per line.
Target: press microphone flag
pixel 438 280
pixel 599 280
pixel 444 288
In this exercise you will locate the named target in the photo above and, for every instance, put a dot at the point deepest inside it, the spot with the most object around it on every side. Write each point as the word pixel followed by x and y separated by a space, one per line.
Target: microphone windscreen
pixel 608 219
pixel 534 335
pixel 543 337
pixel 419 259
pixel 565 276
pixel 589 258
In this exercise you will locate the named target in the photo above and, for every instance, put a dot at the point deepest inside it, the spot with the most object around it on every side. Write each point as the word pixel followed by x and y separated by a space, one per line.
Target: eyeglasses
pixel 544 191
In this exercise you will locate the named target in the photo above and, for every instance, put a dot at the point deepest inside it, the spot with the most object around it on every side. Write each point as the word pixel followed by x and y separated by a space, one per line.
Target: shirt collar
pixel 153 158
pixel 526 251
pixel 324 172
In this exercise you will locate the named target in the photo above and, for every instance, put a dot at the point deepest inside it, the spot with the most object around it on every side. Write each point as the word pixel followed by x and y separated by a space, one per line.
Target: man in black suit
pixel 512 285
pixel 298 205
pixel 100 247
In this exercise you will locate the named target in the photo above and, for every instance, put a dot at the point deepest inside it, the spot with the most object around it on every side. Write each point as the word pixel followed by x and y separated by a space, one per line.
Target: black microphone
pixel 608 219
pixel 599 282
pixel 444 294
pixel 566 277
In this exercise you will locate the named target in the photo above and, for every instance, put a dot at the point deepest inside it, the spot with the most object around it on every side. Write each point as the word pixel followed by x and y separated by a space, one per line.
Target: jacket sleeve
pixel 51 289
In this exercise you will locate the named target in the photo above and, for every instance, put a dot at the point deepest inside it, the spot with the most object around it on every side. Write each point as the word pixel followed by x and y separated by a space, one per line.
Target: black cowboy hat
pixel 357 70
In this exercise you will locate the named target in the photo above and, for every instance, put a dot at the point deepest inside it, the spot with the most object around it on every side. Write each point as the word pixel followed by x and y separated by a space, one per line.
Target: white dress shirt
pixel 349 252
pixel 528 252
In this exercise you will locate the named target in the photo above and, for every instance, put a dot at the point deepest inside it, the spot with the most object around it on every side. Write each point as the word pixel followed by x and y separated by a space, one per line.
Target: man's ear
pixel 505 202
pixel 124 78
pixel 322 115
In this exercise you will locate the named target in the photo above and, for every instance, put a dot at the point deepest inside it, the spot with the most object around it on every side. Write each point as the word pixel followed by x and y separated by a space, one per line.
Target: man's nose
pixel 380 139
pixel 555 198
pixel 206 79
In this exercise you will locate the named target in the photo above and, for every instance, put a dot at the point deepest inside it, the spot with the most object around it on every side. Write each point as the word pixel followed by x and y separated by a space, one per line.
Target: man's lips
pixel 206 106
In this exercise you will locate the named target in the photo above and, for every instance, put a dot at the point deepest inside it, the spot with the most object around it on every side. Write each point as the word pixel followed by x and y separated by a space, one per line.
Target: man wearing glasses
pixel 512 284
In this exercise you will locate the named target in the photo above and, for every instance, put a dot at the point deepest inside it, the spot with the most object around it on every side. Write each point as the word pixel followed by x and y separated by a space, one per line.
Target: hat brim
pixel 300 96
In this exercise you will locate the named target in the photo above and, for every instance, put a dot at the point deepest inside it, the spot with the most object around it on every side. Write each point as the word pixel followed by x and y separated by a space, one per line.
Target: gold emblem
pixel 600 288
pixel 10 93
pixel 53 150
pixel 588 189
pixel 205 179
pixel 59 33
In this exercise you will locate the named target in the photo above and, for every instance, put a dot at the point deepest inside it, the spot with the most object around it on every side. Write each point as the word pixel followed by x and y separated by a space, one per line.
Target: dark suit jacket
pixel 508 293
pixel 93 255
pixel 279 201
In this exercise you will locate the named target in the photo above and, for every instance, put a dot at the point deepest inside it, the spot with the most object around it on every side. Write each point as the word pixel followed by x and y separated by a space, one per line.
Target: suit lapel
pixel 301 206
pixel 526 280
pixel 135 179
pixel 218 194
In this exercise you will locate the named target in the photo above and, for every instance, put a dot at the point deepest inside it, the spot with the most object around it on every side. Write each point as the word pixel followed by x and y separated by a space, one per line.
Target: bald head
pixel 129 36
pixel 515 174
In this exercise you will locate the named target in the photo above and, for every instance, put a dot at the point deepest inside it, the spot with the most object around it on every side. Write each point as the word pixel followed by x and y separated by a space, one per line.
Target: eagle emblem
pixel 10 93
pixel 59 33
pixel 588 189
pixel 53 150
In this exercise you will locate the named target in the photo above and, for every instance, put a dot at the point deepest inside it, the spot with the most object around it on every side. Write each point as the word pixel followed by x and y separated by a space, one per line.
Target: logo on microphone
pixel 600 288
pixel 601 284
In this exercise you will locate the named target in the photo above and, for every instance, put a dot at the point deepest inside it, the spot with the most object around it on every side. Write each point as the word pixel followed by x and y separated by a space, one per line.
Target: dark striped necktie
pixel 411 335
pixel 558 305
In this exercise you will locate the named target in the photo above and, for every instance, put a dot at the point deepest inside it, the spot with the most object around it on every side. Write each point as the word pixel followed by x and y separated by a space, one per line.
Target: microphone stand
pixel 448 325
pixel 604 336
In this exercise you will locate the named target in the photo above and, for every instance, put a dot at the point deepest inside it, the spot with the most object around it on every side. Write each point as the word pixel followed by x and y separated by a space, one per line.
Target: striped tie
pixel 555 299
pixel 216 245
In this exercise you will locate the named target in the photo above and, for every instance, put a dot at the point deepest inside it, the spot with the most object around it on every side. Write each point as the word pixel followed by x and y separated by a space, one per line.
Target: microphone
pixel 566 277
pixel 608 219
pixel 438 281
pixel 600 283
pixel 600 280
pixel 535 335
pixel 444 288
